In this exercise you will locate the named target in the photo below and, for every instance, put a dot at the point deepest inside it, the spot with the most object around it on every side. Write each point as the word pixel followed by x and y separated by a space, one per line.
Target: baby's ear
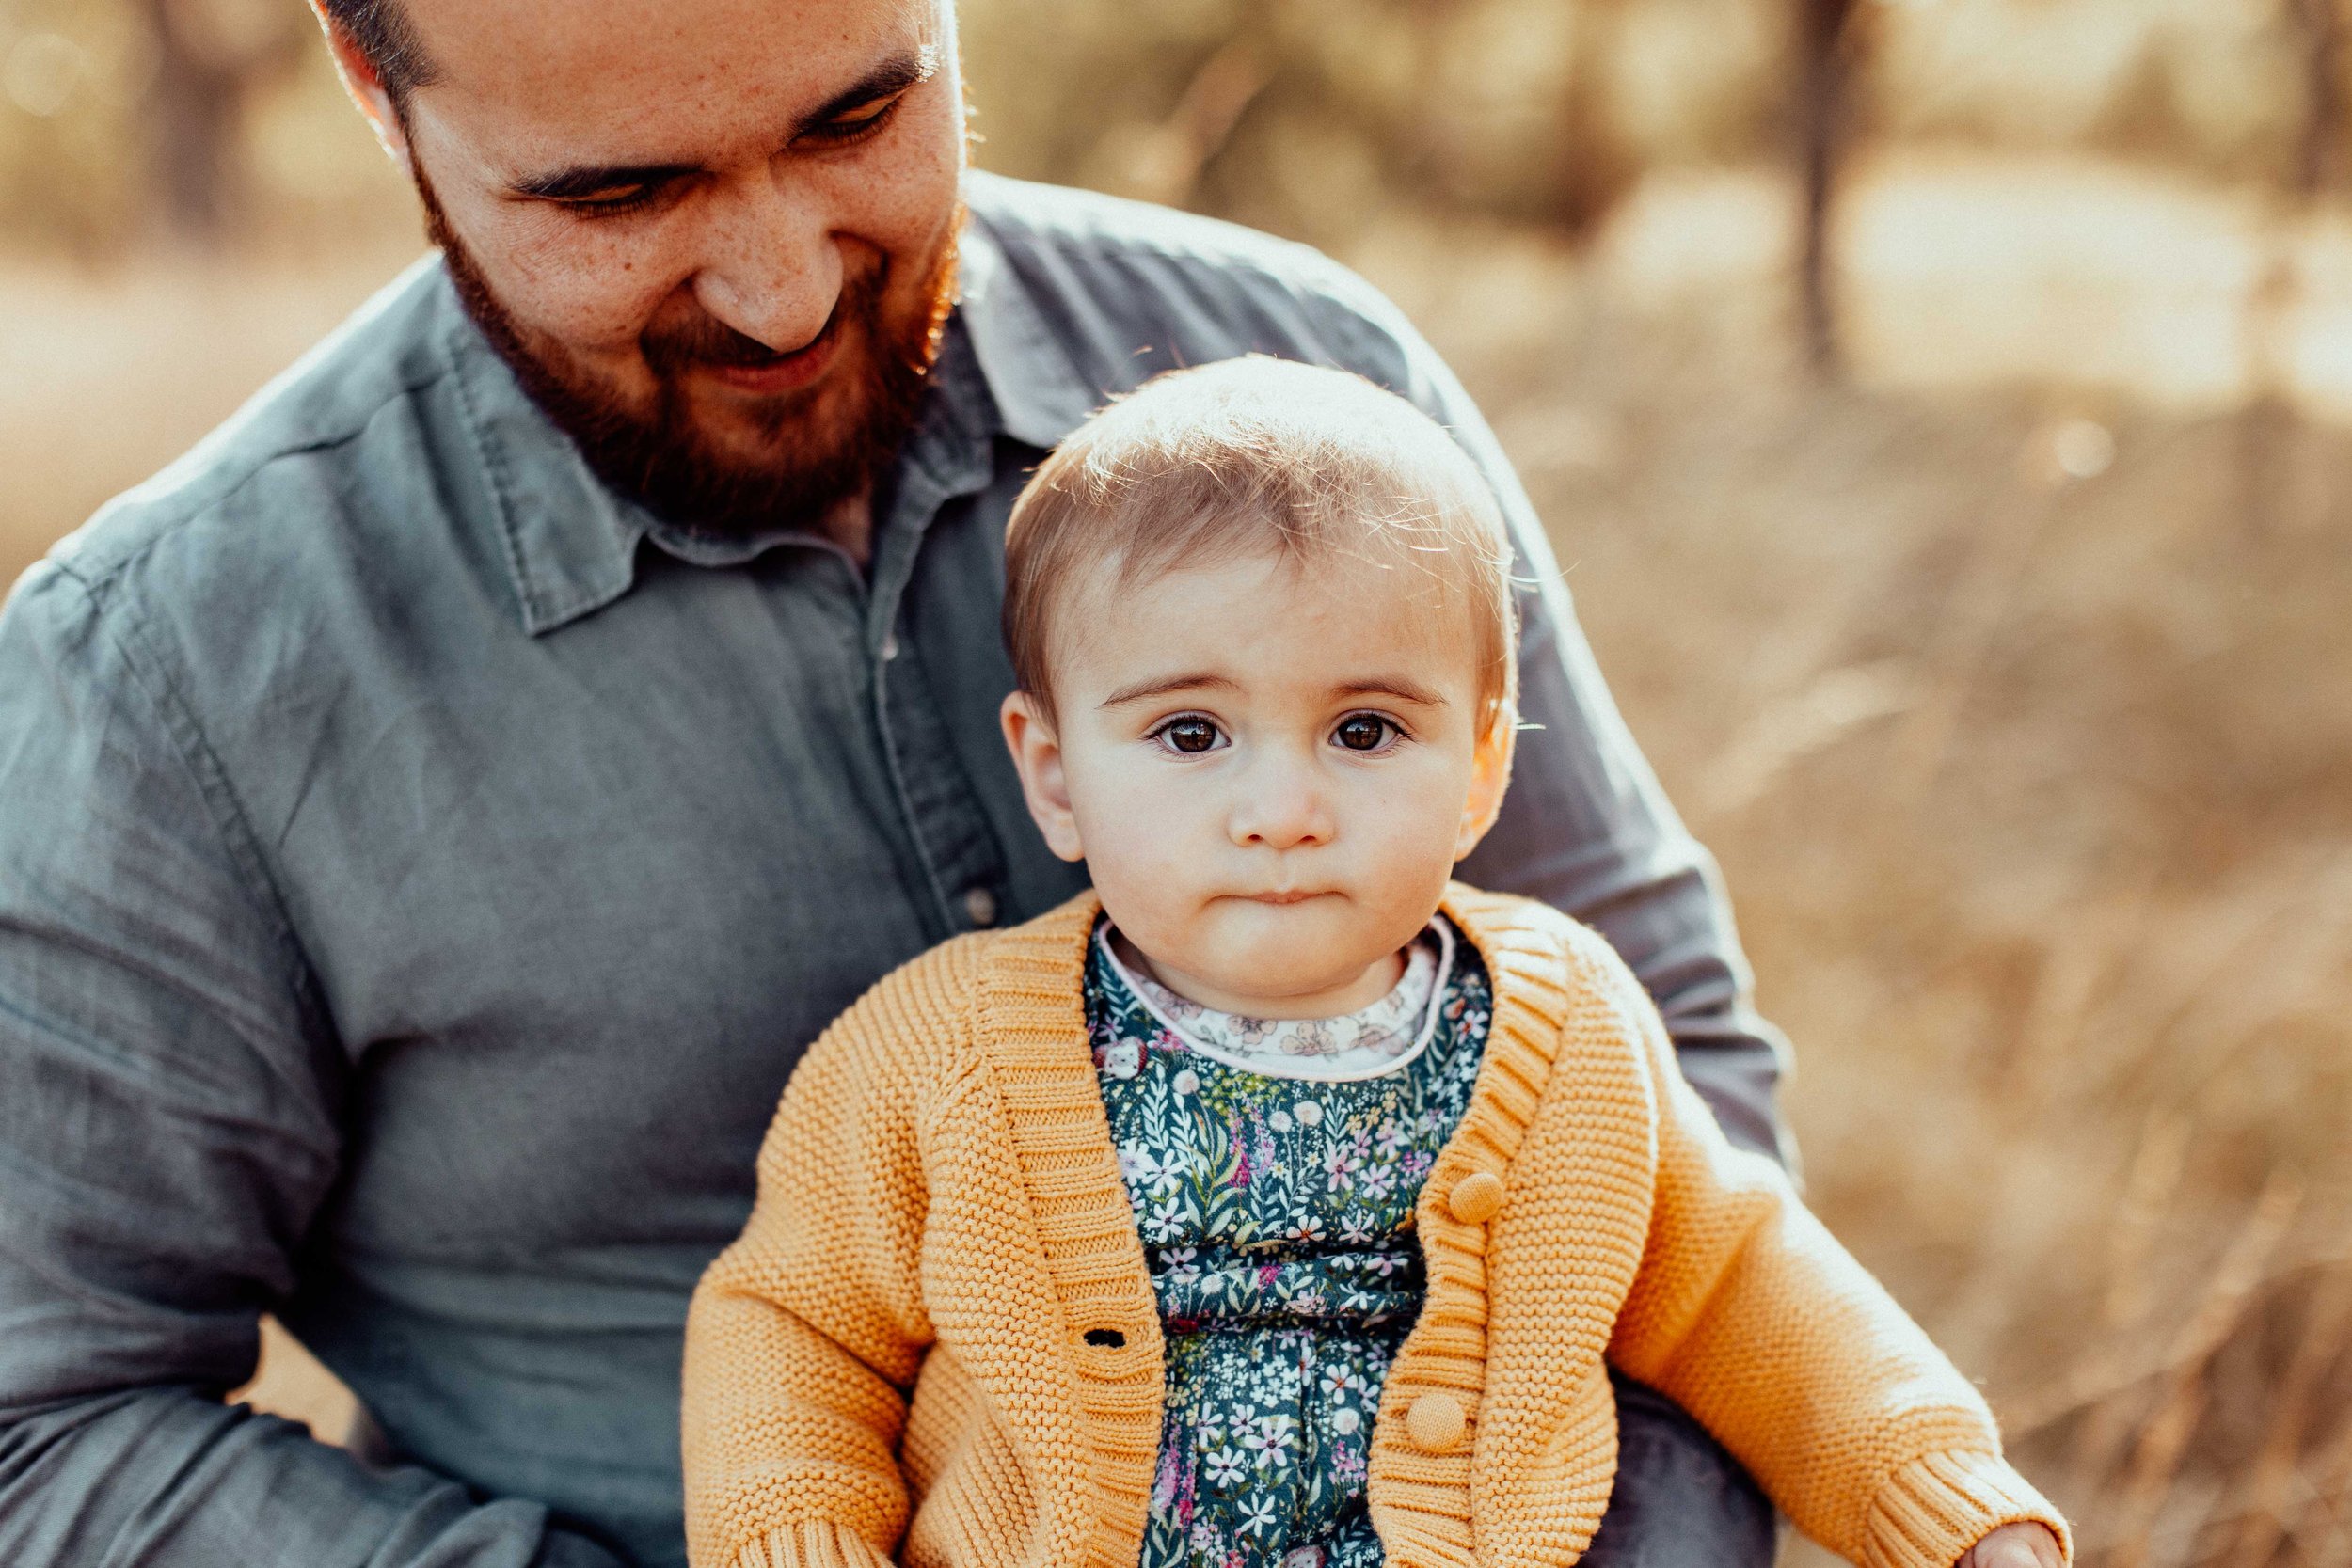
pixel 1490 777
pixel 1029 735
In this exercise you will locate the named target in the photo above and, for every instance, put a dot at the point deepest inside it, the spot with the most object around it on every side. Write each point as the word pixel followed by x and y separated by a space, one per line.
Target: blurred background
pixel 1943 412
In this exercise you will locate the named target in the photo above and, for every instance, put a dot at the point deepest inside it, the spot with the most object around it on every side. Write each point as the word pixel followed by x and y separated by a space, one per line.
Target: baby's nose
pixel 1286 813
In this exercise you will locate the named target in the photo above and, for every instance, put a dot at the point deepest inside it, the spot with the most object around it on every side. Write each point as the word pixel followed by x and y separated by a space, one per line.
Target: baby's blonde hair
pixel 1259 456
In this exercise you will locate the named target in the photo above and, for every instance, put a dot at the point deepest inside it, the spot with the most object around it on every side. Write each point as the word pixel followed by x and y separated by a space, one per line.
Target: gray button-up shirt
pixel 420 869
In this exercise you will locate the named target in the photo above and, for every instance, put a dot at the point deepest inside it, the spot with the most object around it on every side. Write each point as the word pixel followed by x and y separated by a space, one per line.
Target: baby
pixel 1280 1201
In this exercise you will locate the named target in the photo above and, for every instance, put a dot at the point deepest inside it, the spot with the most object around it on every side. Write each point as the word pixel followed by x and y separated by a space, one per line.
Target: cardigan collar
pixel 1030 1023
pixel 1030 1019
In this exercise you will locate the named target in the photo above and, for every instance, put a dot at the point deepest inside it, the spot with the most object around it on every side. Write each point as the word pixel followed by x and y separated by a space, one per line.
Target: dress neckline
pixel 1350 1065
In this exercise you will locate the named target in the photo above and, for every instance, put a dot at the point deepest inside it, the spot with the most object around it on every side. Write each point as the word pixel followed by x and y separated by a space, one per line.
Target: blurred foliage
pixel 1304 116
pixel 2010 679
pixel 2213 84
pixel 71 74
pixel 1309 116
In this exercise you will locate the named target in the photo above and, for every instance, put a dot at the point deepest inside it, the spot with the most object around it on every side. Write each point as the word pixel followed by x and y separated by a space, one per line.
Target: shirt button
pixel 1435 1422
pixel 1476 1198
pixel 981 905
pixel 890 646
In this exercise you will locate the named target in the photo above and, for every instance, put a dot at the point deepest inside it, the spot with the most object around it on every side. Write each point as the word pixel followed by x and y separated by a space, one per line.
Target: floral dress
pixel 1275 1209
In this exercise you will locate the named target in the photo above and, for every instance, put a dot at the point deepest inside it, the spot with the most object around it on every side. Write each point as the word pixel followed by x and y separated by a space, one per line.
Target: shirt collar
pixel 1039 394
pixel 571 542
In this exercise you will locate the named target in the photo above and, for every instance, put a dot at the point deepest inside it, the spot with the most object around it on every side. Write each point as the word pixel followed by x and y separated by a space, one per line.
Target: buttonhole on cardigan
pixel 1110 1338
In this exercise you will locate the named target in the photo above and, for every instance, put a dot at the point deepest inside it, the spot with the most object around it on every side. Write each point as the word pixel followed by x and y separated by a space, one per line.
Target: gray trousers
pixel 1680 1501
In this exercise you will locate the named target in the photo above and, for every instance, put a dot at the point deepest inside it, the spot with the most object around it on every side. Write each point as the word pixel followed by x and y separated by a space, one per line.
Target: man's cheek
pixel 911 187
pixel 593 294
pixel 595 322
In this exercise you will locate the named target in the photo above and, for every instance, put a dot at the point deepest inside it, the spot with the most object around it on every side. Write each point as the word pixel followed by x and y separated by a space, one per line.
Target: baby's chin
pixel 1282 956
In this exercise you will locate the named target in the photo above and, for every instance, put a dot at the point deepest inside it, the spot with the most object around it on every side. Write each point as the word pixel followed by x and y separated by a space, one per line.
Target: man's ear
pixel 1490 775
pixel 1037 754
pixel 366 86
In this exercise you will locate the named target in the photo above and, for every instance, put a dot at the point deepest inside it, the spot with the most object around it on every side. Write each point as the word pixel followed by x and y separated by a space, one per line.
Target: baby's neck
pixel 1378 978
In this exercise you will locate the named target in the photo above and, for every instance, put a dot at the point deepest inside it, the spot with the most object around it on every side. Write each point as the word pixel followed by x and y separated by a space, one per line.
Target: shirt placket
pixel 948 457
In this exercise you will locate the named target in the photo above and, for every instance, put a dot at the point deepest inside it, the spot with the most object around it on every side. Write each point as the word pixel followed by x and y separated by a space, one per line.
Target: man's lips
pixel 786 373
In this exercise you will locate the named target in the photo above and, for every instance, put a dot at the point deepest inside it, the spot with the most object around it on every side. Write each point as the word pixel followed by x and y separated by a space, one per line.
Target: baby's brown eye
pixel 1191 734
pixel 1362 732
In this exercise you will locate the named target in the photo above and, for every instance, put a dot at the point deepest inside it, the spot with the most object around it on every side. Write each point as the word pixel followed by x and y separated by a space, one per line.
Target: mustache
pixel 650 447
pixel 703 338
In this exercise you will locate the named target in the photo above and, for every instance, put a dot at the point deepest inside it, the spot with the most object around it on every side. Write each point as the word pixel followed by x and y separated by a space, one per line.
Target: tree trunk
pixel 192 129
pixel 1823 67
pixel 2319 148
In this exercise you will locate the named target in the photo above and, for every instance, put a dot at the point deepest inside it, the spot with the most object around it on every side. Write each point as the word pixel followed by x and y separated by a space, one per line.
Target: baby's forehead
pixel 1311 579
pixel 1371 508
pixel 1269 620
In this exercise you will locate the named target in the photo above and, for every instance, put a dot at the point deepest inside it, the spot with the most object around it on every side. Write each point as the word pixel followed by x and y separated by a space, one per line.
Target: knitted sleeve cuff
pixel 819 1544
pixel 1934 1508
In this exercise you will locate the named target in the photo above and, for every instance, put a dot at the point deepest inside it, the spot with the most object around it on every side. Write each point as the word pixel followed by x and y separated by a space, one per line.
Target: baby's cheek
pixel 1415 830
pixel 1149 881
pixel 1143 840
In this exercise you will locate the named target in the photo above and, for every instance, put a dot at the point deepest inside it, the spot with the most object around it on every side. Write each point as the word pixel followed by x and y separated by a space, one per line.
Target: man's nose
pixel 1283 806
pixel 769 268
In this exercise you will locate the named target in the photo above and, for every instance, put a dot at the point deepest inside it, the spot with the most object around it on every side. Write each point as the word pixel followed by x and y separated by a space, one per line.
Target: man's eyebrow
pixel 892 76
pixel 584 179
pixel 1195 680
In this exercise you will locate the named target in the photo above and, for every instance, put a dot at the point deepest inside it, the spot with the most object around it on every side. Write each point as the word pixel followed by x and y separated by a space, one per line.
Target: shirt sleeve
pixel 171 1096
pixel 1586 826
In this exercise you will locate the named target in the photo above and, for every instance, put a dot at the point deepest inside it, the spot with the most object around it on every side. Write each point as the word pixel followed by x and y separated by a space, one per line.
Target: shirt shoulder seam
pixel 225 813
pixel 101 585
pixel 1314 274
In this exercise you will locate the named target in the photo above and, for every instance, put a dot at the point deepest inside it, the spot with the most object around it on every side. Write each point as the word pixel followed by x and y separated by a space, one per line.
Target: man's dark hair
pixel 383 33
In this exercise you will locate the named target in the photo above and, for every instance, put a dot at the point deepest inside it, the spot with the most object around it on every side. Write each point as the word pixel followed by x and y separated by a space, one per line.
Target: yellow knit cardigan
pixel 937 1338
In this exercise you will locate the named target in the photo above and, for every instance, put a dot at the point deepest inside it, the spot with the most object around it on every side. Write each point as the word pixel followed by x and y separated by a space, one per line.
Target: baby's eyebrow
pixel 1196 680
pixel 1392 686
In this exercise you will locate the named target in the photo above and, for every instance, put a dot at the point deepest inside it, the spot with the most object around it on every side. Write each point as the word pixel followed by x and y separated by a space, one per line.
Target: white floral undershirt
pixel 1367 1043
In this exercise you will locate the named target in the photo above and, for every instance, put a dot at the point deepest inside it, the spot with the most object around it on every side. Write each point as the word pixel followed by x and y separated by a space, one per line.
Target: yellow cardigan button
pixel 1476 1198
pixel 1434 1422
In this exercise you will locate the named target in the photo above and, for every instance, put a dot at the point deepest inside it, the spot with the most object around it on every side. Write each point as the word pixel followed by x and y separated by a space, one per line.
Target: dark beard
pixel 658 457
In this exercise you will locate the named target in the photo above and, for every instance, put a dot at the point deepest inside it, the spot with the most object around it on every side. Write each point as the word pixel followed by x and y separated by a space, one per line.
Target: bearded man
pixel 441 807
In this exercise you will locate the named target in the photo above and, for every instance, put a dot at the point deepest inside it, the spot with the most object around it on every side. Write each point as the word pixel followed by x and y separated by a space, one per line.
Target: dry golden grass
pixel 2032 786
pixel 2022 723
pixel 105 379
